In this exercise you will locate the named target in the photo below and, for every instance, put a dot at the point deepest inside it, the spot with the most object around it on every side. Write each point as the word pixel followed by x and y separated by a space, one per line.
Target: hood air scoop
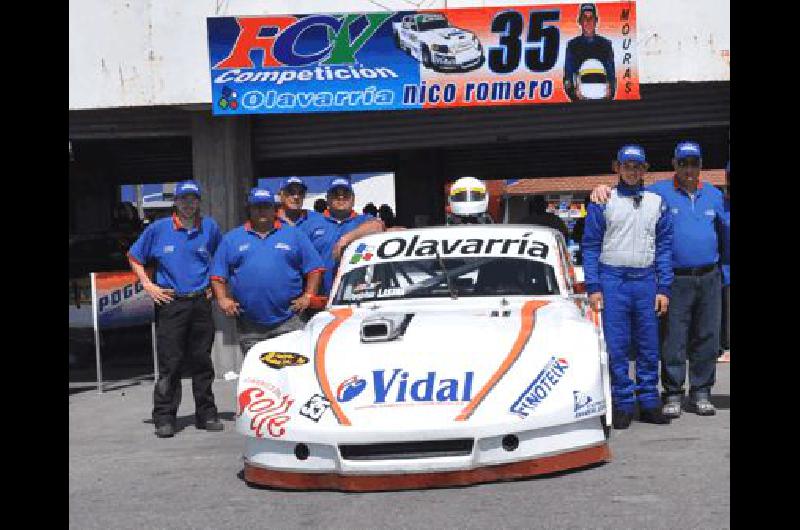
pixel 385 327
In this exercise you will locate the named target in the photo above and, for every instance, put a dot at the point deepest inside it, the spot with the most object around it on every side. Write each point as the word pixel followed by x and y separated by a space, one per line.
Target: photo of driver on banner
pixel 589 61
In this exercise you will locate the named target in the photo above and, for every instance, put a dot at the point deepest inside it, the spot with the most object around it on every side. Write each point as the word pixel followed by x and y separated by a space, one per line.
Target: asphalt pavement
pixel 122 476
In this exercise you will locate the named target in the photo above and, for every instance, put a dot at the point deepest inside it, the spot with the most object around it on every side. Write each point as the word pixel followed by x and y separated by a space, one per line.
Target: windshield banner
pixel 520 55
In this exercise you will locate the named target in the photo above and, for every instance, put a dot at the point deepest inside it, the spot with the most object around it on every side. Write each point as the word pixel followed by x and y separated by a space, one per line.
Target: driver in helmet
pixel 468 201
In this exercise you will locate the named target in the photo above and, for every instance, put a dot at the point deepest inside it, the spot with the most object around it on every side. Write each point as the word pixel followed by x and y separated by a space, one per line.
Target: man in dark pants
pixel 692 327
pixel 273 272
pixel 182 247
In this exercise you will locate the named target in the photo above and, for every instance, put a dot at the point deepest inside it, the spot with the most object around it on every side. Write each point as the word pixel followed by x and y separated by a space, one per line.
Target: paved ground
pixel 122 476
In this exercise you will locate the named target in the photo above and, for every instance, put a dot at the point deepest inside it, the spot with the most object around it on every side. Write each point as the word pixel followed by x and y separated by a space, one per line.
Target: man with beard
pixel 265 272
pixel 182 247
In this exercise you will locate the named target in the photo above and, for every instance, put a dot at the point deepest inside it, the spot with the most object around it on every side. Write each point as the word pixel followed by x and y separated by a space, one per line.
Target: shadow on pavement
pixel 721 401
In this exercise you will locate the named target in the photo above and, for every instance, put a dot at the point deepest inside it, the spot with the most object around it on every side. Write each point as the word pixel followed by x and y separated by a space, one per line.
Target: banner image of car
pixel 517 55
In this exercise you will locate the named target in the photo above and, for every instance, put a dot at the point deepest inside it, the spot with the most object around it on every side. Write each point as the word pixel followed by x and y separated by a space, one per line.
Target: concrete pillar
pixel 419 188
pixel 222 162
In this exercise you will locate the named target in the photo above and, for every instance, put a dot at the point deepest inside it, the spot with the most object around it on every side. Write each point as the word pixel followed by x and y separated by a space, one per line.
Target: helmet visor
pixel 467 195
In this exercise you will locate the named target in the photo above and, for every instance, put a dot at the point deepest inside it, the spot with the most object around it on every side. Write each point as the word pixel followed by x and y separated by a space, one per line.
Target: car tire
pixel 426 58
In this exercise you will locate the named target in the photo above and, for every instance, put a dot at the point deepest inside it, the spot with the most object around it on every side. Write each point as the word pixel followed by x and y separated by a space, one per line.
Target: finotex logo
pixel 302 41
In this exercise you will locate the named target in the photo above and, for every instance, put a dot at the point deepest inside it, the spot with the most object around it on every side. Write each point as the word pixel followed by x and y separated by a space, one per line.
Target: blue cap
pixel 293 180
pixel 631 152
pixel 260 196
pixel 187 187
pixel 686 149
pixel 340 183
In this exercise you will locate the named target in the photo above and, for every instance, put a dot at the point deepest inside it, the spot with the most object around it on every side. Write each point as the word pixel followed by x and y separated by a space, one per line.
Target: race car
pixel 430 39
pixel 445 356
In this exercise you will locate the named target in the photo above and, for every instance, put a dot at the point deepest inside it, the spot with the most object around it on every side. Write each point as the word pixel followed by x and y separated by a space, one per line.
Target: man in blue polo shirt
pixel 692 326
pixel 272 271
pixel 182 247
pixel 340 226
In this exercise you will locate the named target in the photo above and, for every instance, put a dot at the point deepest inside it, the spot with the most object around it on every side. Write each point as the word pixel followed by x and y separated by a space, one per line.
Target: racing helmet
pixel 593 79
pixel 468 197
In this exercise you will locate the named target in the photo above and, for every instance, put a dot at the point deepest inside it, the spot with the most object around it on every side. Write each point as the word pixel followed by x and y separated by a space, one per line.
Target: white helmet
pixel 468 197
pixel 594 81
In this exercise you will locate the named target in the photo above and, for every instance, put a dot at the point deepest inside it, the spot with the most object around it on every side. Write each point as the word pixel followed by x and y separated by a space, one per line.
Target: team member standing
pixel 341 226
pixel 264 273
pixel 627 248
pixel 182 247
pixel 692 325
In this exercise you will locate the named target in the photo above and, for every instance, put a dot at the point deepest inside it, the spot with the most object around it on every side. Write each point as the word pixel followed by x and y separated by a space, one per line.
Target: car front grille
pixel 407 450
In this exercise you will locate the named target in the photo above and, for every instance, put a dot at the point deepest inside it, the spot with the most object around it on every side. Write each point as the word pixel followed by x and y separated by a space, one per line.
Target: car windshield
pixel 434 23
pixel 426 278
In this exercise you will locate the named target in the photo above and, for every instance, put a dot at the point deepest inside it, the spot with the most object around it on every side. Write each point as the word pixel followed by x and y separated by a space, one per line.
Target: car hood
pixel 448 35
pixel 447 366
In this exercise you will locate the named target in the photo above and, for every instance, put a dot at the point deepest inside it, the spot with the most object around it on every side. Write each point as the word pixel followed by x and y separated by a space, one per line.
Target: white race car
pixel 445 356
pixel 430 39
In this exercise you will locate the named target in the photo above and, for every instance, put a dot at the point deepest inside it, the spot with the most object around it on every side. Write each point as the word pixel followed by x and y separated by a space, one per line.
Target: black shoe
pixel 621 419
pixel 653 416
pixel 165 431
pixel 212 424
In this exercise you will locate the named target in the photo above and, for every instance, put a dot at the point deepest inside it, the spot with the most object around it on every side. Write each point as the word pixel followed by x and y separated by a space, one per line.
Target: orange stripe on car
pixel 526 328
pixel 340 315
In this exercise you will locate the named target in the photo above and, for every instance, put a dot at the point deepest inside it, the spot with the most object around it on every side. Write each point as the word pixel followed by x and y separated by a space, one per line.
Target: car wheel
pixel 606 427
pixel 426 58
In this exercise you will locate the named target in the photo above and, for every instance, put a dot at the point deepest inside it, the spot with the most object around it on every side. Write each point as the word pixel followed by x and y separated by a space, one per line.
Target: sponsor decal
pixel 315 407
pixel 585 405
pixel 362 253
pixel 398 246
pixel 318 232
pixel 350 388
pixel 397 386
pixel 277 359
pixel 283 246
pixel 169 248
pixel 244 247
pixel 228 99
pixel 268 412
pixel 540 387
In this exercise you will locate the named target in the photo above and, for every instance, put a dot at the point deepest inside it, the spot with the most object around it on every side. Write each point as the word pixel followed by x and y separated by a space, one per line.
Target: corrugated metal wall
pixel 502 141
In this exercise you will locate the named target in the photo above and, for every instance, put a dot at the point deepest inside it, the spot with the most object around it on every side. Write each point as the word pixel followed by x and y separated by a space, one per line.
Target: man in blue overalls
pixel 627 253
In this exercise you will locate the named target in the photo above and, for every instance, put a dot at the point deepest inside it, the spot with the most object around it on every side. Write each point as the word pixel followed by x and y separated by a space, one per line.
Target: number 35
pixel 541 49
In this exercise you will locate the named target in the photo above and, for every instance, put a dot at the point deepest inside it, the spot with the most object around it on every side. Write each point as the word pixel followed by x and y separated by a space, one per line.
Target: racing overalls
pixel 627 255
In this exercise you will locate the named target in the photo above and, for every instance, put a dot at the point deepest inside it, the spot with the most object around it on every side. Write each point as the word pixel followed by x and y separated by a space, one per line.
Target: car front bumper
pixel 276 463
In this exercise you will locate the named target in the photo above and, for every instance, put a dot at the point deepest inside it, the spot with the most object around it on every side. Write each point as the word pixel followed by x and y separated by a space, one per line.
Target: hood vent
pixel 385 327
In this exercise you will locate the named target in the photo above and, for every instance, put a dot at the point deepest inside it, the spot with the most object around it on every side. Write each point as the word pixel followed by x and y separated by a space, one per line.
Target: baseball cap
pixel 631 152
pixel 187 187
pixel 340 183
pixel 686 149
pixel 293 180
pixel 260 196
pixel 587 7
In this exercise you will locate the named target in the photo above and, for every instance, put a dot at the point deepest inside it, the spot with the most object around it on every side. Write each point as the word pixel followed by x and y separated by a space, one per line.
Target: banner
pixel 121 300
pixel 424 59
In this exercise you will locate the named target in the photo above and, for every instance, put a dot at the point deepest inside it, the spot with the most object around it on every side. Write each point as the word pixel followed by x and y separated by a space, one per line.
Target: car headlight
pixel 441 48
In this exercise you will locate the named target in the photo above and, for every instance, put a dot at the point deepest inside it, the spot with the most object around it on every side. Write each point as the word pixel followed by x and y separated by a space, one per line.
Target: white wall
pixel 144 52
